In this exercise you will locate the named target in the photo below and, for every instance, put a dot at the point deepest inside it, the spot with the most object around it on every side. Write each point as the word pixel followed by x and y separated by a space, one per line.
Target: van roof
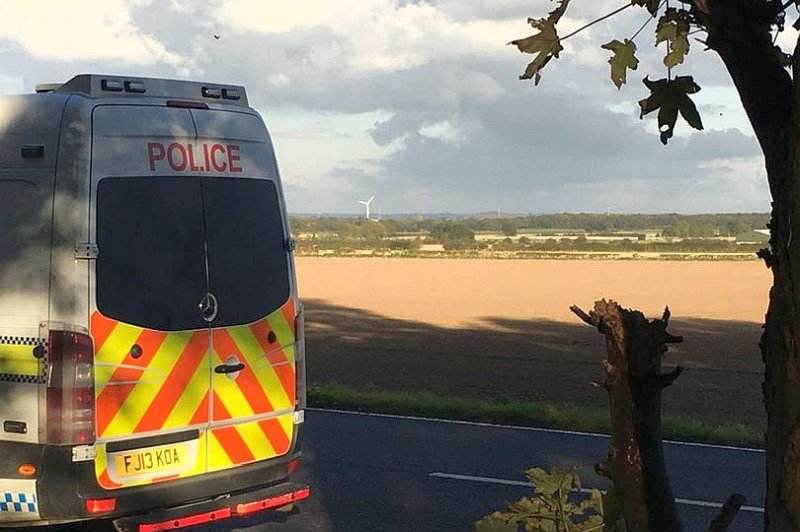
pixel 111 86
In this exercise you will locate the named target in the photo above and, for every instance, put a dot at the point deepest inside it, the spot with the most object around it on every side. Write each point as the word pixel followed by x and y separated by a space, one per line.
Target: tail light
pixel 70 389
pixel 300 360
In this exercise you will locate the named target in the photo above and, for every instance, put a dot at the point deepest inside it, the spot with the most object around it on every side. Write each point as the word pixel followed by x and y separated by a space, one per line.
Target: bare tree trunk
pixel 634 382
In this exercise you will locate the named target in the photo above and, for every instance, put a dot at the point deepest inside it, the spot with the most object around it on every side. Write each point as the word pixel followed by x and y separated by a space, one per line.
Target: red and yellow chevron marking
pixel 167 388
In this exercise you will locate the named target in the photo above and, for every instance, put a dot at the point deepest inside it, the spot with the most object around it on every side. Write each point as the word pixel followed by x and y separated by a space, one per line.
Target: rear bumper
pixel 243 504
pixel 64 486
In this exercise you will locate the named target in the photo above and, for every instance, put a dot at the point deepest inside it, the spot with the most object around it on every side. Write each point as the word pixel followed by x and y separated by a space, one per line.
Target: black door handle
pixel 224 369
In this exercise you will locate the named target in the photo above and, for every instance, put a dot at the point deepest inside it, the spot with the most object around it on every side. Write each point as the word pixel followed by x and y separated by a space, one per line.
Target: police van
pixel 151 339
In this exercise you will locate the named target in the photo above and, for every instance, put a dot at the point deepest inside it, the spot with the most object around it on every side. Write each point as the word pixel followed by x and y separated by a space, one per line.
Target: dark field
pixel 497 328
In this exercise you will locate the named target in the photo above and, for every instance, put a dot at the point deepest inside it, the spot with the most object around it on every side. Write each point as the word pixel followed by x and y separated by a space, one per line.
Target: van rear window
pixel 166 241
pixel 247 262
pixel 150 268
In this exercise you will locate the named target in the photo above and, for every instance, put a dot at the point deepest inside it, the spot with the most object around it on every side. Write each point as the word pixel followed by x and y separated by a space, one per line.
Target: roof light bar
pixel 113 85
pixel 134 86
pixel 231 94
pixel 212 92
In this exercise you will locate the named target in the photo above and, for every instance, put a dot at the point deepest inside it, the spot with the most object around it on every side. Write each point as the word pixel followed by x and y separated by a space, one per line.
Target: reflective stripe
pixel 18 502
pixel 16 357
pixel 166 387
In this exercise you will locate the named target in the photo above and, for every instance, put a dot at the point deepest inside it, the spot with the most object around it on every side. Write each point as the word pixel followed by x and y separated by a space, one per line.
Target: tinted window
pixel 247 262
pixel 151 265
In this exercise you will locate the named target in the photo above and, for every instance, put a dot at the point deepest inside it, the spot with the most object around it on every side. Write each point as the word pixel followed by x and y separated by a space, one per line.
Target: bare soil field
pixel 502 328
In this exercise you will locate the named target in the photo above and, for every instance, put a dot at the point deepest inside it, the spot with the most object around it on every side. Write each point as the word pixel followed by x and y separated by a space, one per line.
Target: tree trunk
pixel 739 33
pixel 779 347
pixel 634 382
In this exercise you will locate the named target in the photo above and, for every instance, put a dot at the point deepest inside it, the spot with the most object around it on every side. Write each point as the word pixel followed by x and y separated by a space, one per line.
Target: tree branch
pixel 727 513
pixel 666 379
pixel 671 339
pixel 586 318
pixel 603 469
pixel 592 23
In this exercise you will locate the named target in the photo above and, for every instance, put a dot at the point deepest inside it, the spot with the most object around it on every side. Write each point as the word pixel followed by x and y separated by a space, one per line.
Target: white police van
pixel 151 339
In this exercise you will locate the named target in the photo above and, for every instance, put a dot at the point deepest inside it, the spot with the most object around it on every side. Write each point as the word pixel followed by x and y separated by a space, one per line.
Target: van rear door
pixel 253 333
pixel 151 343
pixel 253 382
pixel 194 324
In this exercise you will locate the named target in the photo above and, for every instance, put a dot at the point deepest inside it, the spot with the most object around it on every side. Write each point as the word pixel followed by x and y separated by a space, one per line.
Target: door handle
pixel 224 369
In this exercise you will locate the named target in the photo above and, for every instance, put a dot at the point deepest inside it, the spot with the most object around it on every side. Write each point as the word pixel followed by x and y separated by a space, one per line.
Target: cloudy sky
pixel 418 102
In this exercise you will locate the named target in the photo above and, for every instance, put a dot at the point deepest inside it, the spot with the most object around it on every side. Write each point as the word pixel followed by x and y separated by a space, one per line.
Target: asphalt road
pixel 380 473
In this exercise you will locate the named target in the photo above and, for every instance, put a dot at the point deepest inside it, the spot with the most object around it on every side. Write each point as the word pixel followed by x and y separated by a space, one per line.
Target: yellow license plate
pixel 166 459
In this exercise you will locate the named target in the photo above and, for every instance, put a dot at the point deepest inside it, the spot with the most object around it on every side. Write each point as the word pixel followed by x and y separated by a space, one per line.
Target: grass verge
pixel 504 411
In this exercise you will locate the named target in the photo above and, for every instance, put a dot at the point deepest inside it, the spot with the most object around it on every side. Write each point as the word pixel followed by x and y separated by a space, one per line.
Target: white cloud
pixel 367 35
pixel 444 130
pixel 82 30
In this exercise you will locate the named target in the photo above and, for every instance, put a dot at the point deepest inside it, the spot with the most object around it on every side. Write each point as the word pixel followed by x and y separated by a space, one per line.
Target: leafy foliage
pixel 544 44
pixel 553 507
pixel 673 28
pixel 624 58
pixel 670 97
pixel 651 5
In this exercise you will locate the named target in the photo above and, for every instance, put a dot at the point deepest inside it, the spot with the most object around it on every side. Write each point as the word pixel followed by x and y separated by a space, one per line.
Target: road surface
pixel 386 473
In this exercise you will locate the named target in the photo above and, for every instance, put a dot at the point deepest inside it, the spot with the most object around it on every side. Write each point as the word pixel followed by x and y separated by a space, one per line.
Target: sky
pixel 419 103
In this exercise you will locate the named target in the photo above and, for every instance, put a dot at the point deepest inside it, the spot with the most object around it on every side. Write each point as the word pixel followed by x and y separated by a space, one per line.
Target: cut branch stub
pixel 727 513
pixel 634 382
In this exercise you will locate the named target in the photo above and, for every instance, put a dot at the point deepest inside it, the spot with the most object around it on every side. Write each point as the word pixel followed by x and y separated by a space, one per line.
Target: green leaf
pixel 545 44
pixel 673 27
pixel 651 5
pixel 495 523
pixel 670 97
pixel 624 58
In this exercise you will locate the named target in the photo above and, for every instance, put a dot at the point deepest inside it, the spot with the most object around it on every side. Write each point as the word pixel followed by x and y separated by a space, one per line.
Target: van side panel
pixel 69 290
pixel 26 226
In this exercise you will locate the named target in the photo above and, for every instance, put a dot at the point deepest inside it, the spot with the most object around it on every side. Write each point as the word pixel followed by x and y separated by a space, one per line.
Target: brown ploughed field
pixel 502 328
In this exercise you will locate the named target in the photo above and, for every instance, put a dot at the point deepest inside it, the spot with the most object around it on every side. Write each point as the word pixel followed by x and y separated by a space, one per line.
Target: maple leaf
pixel 624 58
pixel 544 44
pixel 670 97
pixel 673 27
pixel 651 5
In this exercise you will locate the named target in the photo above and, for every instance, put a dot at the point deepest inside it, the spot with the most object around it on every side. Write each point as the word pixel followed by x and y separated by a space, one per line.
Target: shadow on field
pixel 537 359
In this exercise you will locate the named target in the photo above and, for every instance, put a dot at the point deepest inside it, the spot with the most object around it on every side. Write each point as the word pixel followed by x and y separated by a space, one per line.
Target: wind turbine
pixel 366 206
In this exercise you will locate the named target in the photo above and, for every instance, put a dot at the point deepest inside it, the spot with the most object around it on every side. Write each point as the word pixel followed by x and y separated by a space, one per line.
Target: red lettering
pixel 193 167
pixel 206 158
pixel 218 149
pixel 181 157
pixel 175 147
pixel 155 152
pixel 233 157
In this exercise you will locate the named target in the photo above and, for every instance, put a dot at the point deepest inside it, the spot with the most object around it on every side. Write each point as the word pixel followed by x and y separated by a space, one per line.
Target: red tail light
pixel 300 360
pixel 70 389
pixel 100 506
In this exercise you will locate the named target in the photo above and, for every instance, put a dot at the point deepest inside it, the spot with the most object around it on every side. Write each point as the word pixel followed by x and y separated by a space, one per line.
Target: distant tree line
pixel 680 225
